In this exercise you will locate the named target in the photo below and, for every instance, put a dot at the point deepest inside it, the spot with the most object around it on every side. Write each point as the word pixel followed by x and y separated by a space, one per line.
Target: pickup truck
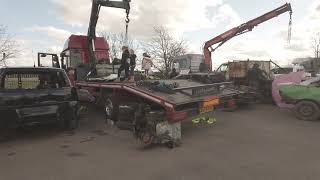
pixel 37 95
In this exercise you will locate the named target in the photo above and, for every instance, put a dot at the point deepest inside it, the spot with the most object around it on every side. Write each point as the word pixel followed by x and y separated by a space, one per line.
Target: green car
pixel 305 97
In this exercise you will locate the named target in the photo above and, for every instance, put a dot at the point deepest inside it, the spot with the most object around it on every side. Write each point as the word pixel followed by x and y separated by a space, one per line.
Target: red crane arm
pixel 243 28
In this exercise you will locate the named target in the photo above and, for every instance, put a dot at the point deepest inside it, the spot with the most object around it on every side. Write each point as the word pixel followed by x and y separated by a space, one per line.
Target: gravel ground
pixel 258 142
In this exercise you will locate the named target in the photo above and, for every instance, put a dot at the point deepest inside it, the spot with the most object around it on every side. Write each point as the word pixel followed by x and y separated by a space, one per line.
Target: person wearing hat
pixel 125 62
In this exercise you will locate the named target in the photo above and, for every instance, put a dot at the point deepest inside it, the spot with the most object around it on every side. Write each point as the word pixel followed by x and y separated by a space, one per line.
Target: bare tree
pixel 316 45
pixel 8 46
pixel 116 41
pixel 163 48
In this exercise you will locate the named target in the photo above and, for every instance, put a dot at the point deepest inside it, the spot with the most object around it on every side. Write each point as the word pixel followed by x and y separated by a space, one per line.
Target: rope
pixel 290 28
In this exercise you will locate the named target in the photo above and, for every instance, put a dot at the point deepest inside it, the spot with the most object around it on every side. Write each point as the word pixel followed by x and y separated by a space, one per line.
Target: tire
pixel 307 111
pixel 147 139
pixel 170 145
pixel 71 120
pixel 108 109
pixel 111 110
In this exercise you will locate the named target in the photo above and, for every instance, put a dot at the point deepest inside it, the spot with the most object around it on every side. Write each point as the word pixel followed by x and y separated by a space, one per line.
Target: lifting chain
pixel 290 28
pixel 127 25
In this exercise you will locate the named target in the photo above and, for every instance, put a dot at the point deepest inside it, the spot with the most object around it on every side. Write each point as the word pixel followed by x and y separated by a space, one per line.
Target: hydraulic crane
pixel 243 28
pixel 95 10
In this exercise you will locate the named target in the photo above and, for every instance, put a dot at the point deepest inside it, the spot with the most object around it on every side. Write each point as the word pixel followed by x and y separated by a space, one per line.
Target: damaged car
pixel 305 97
pixel 37 95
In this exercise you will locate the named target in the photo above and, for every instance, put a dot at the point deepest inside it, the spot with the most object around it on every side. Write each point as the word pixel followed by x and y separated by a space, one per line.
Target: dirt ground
pixel 259 142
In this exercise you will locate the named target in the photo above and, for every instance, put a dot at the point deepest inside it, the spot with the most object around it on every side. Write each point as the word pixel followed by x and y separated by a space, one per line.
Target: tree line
pixel 163 47
pixel 9 47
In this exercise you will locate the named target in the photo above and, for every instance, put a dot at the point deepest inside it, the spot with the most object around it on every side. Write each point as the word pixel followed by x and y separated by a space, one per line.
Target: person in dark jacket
pixel 133 58
pixel 255 75
pixel 173 73
pixel 125 62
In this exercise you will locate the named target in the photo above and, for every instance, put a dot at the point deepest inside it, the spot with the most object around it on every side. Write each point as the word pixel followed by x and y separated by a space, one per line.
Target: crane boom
pixel 95 10
pixel 243 28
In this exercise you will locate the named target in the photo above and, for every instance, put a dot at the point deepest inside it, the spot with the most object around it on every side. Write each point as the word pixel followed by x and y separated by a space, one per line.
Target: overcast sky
pixel 44 25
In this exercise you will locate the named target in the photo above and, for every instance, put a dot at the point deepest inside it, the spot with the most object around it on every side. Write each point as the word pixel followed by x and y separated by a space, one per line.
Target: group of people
pixel 128 63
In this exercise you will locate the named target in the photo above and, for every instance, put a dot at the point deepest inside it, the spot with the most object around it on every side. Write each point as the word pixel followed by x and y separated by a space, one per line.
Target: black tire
pixel 108 109
pixel 111 110
pixel 170 145
pixel 307 111
pixel 147 139
pixel 71 120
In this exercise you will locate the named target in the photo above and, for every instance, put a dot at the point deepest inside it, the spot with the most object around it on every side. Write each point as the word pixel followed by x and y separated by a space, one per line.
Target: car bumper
pixel 37 113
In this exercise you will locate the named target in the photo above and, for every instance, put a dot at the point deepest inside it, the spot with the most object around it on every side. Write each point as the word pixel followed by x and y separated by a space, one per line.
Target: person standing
pixel 125 62
pixel 255 75
pixel 133 58
pixel 146 63
pixel 173 73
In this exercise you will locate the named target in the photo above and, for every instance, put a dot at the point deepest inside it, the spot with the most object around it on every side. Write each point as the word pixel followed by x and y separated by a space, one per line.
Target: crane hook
pixel 127 20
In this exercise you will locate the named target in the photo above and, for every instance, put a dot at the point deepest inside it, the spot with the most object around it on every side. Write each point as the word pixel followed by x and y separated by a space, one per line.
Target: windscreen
pixel 35 80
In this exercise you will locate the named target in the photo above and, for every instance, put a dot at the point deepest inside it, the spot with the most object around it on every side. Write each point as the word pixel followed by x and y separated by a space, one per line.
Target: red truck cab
pixel 75 55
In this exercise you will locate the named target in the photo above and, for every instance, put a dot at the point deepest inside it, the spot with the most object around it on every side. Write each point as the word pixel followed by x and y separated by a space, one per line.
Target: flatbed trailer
pixel 156 115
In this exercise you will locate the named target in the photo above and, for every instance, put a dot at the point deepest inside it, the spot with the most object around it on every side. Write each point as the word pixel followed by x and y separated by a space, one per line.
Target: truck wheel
pixel 147 139
pixel 307 110
pixel 111 110
pixel 71 120
pixel 108 109
pixel 170 144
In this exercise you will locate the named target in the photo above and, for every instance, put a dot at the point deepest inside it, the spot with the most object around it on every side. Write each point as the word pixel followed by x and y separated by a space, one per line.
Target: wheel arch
pixel 308 100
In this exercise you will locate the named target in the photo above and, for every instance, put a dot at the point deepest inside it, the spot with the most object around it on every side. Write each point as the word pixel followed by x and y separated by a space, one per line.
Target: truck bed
pixel 182 95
